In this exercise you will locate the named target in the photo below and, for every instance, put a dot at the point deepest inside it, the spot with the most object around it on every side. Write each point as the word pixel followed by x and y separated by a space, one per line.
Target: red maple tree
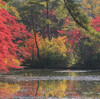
pixel 12 34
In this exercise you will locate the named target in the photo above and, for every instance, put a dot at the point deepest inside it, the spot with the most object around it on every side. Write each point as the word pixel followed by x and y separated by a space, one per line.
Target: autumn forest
pixel 49 34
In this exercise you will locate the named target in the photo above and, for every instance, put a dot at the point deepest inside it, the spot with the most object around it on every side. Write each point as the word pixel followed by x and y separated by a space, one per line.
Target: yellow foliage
pixel 91 7
pixel 14 61
pixel 13 10
pixel 54 88
pixel 43 3
pixel 56 45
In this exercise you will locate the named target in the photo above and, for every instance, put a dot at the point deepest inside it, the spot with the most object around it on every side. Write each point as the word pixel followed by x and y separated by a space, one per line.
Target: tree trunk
pixel 38 55
pixel 48 27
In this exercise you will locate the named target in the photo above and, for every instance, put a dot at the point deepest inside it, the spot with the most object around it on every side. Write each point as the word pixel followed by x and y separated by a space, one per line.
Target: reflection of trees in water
pixel 44 88
pixel 8 90
pixel 53 88
pixel 89 88
pixel 58 88
pixel 30 88
pixel 50 88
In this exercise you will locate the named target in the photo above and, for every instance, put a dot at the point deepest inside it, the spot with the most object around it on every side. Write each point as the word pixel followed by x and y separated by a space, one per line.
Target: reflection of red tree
pixel 71 89
pixel 30 88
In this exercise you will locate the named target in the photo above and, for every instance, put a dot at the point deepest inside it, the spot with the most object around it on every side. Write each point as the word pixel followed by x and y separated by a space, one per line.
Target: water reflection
pixel 8 90
pixel 56 89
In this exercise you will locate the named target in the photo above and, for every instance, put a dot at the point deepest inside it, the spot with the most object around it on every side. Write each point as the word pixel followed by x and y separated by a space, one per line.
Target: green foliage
pixel 1 6
pixel 30 13
pixel 8 0
pixel 48 21
pixel 93 61
pixel 90 7
pixel 85 49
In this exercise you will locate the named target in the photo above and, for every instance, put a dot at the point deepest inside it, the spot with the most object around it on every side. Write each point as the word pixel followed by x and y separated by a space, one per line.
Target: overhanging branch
pixel 74 18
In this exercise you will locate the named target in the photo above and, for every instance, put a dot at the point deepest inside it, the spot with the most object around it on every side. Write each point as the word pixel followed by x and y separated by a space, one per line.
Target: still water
pixel 50 84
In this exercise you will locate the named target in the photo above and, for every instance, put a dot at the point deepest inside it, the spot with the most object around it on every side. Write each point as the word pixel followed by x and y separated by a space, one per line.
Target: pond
pixel 50 84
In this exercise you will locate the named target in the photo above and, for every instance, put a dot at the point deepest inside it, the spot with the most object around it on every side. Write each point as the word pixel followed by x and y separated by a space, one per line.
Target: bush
pixel 54 52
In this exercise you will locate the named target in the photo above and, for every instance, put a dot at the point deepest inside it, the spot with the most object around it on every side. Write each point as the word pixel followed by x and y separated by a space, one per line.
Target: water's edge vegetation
pixel 37 34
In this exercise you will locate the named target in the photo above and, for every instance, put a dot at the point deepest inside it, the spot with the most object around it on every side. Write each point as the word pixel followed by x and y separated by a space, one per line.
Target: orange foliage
pixel 30 45
pixel 8 90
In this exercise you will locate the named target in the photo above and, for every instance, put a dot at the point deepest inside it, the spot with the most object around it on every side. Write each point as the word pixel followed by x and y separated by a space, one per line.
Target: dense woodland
pixel 49 34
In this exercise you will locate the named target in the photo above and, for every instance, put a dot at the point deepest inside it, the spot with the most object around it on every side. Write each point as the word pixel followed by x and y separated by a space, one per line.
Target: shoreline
pixel 63 68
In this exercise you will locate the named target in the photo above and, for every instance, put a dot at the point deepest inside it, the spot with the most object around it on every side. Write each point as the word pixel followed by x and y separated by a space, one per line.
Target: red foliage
pixel 52 18
pixel 51 13
pixel 66 21
pixel 1 2
pixel 73 36
pixel 95 23
pixel 11 33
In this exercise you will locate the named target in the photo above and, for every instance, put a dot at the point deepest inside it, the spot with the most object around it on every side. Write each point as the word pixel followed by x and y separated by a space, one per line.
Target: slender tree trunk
pixel 33 27
pixel 48 27
pixel 32 56
pixel 38 55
